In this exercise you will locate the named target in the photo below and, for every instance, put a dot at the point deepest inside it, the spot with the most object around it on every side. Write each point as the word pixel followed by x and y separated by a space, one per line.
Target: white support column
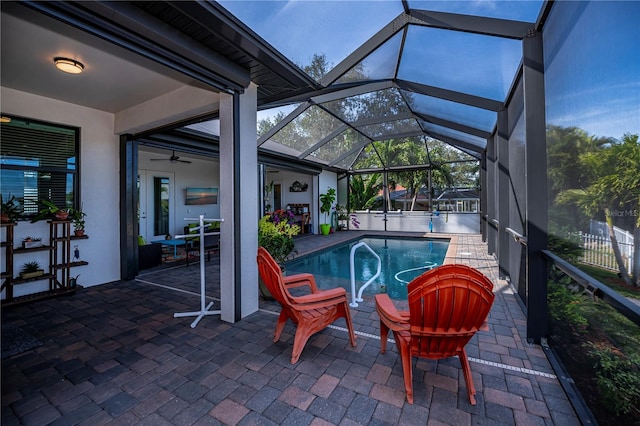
pixel 238 205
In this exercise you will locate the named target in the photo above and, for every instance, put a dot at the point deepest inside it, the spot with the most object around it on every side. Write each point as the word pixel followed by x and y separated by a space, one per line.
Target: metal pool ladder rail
pixel 355 300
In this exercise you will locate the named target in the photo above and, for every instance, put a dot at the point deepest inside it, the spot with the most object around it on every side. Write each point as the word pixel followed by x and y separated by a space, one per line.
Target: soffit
pixel 219 31
pixel 132 52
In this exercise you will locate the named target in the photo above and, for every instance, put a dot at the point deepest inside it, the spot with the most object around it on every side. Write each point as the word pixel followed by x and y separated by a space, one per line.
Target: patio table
pixel 174 243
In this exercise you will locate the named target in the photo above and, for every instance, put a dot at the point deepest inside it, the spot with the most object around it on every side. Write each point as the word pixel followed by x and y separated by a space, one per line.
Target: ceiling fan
pixel 174 159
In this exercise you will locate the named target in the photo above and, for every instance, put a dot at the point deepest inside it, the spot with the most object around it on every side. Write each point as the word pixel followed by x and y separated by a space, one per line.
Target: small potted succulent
pixel 31 270
pixel 30 242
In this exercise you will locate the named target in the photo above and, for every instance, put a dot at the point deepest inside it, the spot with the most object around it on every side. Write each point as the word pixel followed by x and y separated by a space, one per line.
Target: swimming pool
pixel 402 260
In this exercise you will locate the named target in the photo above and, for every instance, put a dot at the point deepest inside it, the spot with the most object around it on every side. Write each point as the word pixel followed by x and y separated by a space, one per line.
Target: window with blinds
pixel 39 161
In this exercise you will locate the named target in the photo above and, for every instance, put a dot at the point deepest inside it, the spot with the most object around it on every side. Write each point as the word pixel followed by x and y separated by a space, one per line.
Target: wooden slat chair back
pixel 310 312
pixel 447 306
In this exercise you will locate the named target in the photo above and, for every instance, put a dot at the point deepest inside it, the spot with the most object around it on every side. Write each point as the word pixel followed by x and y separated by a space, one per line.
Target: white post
pixel 239 198
pixel 204 310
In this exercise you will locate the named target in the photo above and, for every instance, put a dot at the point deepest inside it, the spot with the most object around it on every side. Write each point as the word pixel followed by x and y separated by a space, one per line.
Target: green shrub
pixel 568 247
pixel 277 238
pixel 565 305
pixel 618 378
pixel 602 349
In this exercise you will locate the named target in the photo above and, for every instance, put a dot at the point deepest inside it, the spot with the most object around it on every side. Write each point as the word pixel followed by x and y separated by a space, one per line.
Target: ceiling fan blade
pixel 174 159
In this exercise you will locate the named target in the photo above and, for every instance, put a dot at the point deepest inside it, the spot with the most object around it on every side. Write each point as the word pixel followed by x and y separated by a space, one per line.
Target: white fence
pixel 599 252
pixel 419 221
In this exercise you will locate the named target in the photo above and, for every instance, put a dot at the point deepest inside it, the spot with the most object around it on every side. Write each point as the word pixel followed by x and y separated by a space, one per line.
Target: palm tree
pixel 363 191
pixel 565 145
pixel 614 187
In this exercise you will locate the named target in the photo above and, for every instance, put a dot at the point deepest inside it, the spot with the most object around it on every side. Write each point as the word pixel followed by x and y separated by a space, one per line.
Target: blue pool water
pixel 402 260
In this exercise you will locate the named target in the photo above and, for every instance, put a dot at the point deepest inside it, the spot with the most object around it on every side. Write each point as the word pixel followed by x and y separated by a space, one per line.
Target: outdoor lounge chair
pixel 311 312
pixel 211 242
pixel 447 306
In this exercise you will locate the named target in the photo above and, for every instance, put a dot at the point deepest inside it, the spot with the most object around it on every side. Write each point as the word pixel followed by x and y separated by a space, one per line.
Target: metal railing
pixel 612 297
pixel 354 299
pixel 518 237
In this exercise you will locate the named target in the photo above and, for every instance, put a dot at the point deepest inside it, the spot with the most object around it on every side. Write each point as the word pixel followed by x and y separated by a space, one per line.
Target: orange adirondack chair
pixel 311 312
pixel 447 306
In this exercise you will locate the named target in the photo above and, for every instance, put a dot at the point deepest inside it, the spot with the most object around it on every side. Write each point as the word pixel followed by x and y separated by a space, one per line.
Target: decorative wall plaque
pixel 298 187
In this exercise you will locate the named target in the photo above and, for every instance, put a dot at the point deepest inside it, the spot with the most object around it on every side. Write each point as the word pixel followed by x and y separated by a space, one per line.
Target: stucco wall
pixel 99 173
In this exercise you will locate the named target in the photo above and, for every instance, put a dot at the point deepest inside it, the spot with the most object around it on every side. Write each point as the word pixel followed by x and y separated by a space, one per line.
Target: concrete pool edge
pixel 314 243
pixel 452 250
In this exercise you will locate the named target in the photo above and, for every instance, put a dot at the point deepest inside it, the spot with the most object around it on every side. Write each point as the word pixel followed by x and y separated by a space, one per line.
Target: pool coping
pixel 350 236
pixel 452 250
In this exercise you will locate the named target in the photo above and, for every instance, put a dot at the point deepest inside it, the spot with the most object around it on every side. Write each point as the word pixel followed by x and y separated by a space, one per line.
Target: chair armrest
pixel 300 280
pixel 389 314
pixel 319 299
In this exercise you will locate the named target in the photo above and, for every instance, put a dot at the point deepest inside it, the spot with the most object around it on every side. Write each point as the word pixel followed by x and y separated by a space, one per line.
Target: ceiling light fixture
pixel 68 65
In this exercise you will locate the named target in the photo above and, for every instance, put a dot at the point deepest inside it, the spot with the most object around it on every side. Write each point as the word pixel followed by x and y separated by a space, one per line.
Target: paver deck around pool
pixel 114 354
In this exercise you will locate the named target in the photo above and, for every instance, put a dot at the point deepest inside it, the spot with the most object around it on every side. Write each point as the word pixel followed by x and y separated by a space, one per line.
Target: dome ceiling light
pixel 67 65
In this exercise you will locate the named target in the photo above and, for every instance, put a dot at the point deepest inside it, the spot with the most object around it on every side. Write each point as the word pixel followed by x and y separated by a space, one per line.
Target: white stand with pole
pixel 204 310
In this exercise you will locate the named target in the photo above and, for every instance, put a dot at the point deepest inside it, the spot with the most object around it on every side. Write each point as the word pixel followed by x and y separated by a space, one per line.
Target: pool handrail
pixel 355 300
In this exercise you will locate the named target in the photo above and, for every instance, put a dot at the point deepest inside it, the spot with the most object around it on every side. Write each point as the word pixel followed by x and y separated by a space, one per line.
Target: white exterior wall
pixel 450 223
pixel 99 177
pixel 286 179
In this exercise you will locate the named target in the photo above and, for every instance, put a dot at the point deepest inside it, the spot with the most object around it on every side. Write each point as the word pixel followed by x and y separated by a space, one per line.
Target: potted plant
pixel 49 210
pixel 29 242
pixel 275 234
pixel 31 270
pixel 343 217
pixel 10 209
pixel 77 218
pixel 326 201
pixel 73 281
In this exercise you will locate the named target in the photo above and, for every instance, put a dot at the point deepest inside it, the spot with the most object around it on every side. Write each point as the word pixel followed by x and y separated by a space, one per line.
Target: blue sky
pixel 603 99
pixel 300 28
pixel 593 82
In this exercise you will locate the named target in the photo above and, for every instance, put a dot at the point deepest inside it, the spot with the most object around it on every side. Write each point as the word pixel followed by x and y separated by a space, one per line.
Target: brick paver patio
pixel 114 354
